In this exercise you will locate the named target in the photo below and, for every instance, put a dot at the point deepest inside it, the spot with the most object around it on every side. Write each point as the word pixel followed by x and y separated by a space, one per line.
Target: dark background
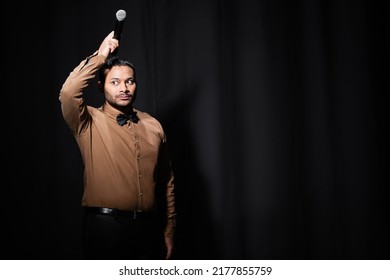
pixel 275 111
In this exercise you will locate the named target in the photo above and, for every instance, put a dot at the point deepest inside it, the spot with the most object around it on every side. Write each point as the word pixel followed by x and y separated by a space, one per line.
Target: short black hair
pixel 111 62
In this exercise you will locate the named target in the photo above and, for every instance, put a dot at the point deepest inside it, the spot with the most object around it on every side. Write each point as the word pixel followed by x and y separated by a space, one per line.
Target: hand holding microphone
pixel 108 45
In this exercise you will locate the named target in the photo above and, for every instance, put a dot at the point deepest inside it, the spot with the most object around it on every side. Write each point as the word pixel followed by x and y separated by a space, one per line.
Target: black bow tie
pixel 121 119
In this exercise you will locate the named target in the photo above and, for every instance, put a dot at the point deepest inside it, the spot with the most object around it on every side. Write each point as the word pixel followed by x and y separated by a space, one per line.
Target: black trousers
pixel 119 237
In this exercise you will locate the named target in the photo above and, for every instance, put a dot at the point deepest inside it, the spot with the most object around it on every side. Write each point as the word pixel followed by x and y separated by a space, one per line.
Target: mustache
pixel 130 94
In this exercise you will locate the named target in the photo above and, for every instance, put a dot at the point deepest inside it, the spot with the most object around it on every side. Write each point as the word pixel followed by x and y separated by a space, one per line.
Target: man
pixel 128 197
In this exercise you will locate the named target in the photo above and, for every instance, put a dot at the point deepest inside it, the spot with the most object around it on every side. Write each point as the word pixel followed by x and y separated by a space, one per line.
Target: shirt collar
pixel 113 112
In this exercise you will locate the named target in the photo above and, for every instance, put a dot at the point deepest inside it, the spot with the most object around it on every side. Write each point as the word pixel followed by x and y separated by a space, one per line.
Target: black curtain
pixel 275 113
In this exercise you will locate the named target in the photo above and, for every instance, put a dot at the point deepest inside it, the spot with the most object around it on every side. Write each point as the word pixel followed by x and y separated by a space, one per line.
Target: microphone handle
pixel 118 29
pixel 117 33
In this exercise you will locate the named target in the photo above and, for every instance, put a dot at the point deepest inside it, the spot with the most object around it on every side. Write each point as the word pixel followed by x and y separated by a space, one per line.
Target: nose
pixel 124 87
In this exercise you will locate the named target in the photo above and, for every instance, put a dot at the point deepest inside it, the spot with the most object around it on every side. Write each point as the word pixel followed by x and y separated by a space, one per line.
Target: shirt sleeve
pixel 166 181
pixel 73 105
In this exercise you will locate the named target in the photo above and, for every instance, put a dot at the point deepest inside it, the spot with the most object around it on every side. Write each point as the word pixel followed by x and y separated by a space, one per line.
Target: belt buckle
pixel 105 210
pixel 135 213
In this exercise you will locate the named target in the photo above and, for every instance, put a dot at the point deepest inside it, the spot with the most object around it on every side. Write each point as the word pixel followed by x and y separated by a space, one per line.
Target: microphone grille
pixel 120 15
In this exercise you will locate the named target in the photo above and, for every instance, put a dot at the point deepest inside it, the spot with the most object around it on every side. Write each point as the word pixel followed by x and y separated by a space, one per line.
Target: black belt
pixel 133 215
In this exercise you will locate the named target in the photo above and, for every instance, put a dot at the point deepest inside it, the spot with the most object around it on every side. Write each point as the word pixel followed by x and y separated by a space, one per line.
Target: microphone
pixel 120 18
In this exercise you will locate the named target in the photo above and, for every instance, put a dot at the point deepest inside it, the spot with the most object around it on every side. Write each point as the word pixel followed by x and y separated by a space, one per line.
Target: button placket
pixel 138 156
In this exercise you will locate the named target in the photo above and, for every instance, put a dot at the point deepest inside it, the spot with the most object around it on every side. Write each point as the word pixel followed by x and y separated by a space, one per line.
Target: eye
pixel 130 82
pixel 114 82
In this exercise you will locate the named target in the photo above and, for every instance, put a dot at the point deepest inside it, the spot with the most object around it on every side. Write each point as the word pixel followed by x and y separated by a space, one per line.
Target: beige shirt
pixel 125 167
